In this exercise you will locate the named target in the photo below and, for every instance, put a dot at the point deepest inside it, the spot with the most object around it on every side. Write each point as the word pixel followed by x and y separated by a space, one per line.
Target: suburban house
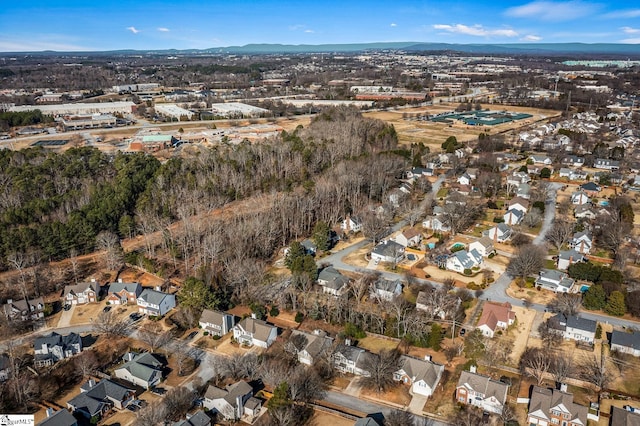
pixel 388 251
pixel 96 399
pixel 436 222
pixel 628 343
pixel 155 302
pixel 574 327
pixel 383 289
pixel 481 391
pixel 461 260
pixel 417 172
pixel 513 217
pixel 24 309
pixel 551 406
pixel 230 402
pixel 569 257
pixel 5 367
pixel 332 281
pixel 465 179
pixel 519 203
pixel 309 347
pixel 622 417
pixel 499 233
pixel 351 224
pixel 573 160
pixel 585 211
pixel 581 242
pixel 199 418
pixel 422 375
pixel 144 369
pixel 523 191
pixel 215 322
pixel 350 359
pixel 409 238
pixel 556 281
pixel 590 188
pixel 58 418
pixel 579 198
pixel 55 347
pixel 541 159
pixel 606 164
pixel 121 293
pixel 516 178
pixel 484 246
pixel 255 332
pixel 309 247
pixel 82 293
pixel 495 316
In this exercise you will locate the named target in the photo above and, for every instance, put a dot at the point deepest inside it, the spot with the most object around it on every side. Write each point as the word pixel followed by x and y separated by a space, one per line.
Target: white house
pixel 628 343
pixel 388 251
pixel 574 327
pixel 215 322
pixel 519 203
pixel 55 347
pixel 461 260
pixel 82 293
pixel 513 217
pixel 481 391
pixel 542 159
pixel 606 164
pixel 155 302
pixel 484 246
pixel 350 359
pixel 144 369
pixel 383 289
pixel 230 401
pixel 556 281
pixel 351 224
pixel 254 332
pixel 332 281
pixel 409 238
pixel 309 347
pixel 495 316
pixel 465 179
pixel 579 198
pixel 585 211
pixel 422 375
pixel 569 257
pixel 499 233
pixel 581 242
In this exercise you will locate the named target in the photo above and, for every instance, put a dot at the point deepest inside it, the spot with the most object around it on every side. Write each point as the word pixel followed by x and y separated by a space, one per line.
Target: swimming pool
pixel 604 203
pixel 584 288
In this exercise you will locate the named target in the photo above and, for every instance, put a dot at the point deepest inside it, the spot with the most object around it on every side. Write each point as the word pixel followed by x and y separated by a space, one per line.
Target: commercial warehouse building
pixel 82 108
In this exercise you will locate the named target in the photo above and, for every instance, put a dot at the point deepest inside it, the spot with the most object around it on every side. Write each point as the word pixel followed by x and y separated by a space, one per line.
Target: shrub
pixel 206 333
pixel 467 271
pixel 491 255
pixel 215 337
pixel 274 312
pixel 299 317
pixel 498 219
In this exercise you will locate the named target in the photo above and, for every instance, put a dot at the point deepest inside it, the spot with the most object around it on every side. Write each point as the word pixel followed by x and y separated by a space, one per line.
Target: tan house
pixel 122 293
pixel 552 406
pixel 82 293
pixel 254 332
pixel 481 391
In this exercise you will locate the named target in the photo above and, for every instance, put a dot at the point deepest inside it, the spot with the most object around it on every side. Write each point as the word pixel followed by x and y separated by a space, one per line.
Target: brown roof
pixel 260 330
pixel 492 312
pixel 410 233
pixel 519 200
pixel 544 400
pixel 484 385
pixel 622 417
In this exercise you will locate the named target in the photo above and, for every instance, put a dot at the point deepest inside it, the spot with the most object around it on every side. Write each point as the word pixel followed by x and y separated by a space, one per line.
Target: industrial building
pixel 88 121
pixel 237 110
pixel 173 111
pixel 83 108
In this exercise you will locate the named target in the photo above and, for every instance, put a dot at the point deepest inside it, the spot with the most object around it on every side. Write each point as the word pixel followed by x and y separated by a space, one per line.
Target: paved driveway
pixel 65 318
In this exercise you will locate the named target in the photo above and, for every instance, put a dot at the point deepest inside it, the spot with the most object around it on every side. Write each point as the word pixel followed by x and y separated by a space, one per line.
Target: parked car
pixel 67 307
pixel 191 335
pixel 158 391
pixel 106 309
pixel 135 316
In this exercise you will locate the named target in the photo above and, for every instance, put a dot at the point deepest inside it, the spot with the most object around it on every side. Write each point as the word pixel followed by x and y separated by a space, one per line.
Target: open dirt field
pixel 377 344
pixel 520 333
pixel 321 418
pixel 430 133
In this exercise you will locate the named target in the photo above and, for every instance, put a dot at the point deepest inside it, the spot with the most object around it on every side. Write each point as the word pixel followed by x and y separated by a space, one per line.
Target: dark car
pixel 135 316
pixel 158 391
pixel 191 335
pixel 106 309
pixel 462 331
pixel 67 307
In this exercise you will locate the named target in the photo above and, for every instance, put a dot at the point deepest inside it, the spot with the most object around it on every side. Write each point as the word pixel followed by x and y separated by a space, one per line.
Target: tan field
pixel 429 133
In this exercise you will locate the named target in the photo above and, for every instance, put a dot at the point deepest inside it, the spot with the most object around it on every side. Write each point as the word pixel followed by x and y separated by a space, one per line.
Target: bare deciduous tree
pixel 532 218
pixel 110 243
pixel 86 363
pixel 528 260
pixel 153 335
pixel 561 366
pixel 381 368
pixel 559 233
pixel 535 363
pixel 566 303
pixel 594 369
pixel 108 323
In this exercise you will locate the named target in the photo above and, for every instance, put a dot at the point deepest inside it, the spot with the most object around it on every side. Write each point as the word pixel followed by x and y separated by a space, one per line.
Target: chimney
pixel 157 288
pixel 253 315
pixel 427 357
pixel 472 369
pixel 240 406
pixel 9 301
pixel 119 280
pixel 50 412
pixel 93 280
pixel 347 342
pixel 91 383
pixel 563 387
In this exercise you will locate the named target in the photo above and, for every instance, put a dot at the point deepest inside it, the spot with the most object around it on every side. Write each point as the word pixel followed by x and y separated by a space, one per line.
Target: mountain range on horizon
pixel 551 49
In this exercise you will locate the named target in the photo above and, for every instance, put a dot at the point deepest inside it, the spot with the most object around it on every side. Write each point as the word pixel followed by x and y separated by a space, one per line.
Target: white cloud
pixel 554 11
pixel 163 29
pixel 133 30
pixel 296 27
pixel 629 13
pixel 629 30
pixel 531 37
pixel 476 30
pixel 37 46
pixel 631 40
pixel 393 24
pixel 309 31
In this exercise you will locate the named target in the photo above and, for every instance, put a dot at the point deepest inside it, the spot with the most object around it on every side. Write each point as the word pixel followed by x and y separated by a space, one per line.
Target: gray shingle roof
pixel 59 418
pixel 628 340
pixel 484 385
pixel 581 323
pixel 153 297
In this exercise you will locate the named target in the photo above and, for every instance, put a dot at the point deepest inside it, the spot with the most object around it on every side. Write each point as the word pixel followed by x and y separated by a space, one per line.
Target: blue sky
pixel 71 25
